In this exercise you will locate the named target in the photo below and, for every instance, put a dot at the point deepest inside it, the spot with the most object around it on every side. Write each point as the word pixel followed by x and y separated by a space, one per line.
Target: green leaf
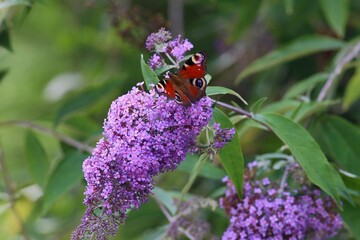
pixel 336 14
pixel 306 109
pixel 3 73
pixel 302 46
pixel 246 16
pixel 340 139
pixel 257 105
pixel 66 175
pixel 166 198
pixel 84 99
pixel 352 92
pixel 215 90
pixel 208 170
pixel 149 75
pixel 351 216
pixel 305 85
pixel 308 154
pixel 37 159
pixel 289 6
pixel 231 155
pixel 5 39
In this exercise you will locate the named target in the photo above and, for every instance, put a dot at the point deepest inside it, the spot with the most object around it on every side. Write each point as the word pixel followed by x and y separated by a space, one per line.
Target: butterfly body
pixel 188 85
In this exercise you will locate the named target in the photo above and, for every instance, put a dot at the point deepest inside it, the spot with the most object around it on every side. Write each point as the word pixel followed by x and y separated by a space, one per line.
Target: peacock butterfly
pixel 188 85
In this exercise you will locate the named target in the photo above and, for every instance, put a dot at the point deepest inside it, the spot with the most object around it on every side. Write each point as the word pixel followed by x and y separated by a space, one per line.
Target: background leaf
pixel 298 48
pixel 231 155
pixel 66 175
pixel 336 14
pixel 351 216
pixel 340 140
pixel 84 99
pixel 307 153
pixel 37 159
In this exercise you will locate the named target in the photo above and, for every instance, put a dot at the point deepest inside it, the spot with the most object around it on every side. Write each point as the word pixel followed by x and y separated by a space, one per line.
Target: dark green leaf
pixel 231 155
pixel 336 14
pixel 300 47
pixel 3 73
pixel 5 39
pixel 247 13
pixel 215 90
pixel 351 216
pixel 306 109
pixel 340 139
pixel 208 170
pixel 37 159
pixel 84 99
pixel 66 175
pixel 305 85
pixel 166 198
pixel 149 75
pixel 308 153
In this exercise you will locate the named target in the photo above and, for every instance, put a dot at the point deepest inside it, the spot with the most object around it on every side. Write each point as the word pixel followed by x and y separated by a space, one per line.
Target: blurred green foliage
pixel 63 62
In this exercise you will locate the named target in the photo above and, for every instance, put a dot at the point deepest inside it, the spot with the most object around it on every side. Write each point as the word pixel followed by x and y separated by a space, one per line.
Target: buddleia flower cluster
pixel 161 42
pixel 144 135
pixel 271 211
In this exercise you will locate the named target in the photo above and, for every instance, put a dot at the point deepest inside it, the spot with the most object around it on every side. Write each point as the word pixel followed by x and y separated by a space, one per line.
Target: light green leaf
pixel 299 48
pixel 305 85
pixel 257 105
pixel 37 159
pixel 231 155
pixel 215 90
pixel 352 91
pixel 66 175
pixel 166 198
pixel 336 14
pixel 149 75
pixel 308 154
pixel 340 139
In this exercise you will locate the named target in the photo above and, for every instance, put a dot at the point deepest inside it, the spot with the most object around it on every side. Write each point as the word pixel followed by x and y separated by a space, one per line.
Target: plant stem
pixel 353 52
pixel 194 173
pixel 66 139
pixel 11 193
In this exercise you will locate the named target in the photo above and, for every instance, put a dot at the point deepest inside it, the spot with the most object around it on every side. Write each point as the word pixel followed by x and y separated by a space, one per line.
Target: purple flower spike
pixel 265 213
pixel 145 134
pixel 155 40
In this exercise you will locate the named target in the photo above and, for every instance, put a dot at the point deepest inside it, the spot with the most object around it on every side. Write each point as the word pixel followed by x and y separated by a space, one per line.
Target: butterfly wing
pixel 194 67
pixel 189 85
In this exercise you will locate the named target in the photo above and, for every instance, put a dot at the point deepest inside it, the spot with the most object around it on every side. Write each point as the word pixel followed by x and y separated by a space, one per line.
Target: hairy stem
pixel 66 139
pixel 353 52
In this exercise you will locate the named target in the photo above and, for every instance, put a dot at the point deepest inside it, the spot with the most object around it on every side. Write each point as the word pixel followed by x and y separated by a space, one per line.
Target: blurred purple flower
pixel 268 214
pixel 160 43
pixel 222 136
pixel 156 40
pixel 144 135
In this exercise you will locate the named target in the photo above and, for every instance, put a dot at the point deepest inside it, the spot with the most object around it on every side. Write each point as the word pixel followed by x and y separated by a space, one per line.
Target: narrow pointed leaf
pixel 308 154
pixel 66 175
pixel 336 14
pixel 299 48
pixel 149 75
pixel 231 155
pixel 215 90
pixel 37 159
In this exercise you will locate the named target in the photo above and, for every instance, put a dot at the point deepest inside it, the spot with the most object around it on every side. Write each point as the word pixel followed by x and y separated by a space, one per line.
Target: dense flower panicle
pixel 144 136
pixel 160 43
pixel 268 212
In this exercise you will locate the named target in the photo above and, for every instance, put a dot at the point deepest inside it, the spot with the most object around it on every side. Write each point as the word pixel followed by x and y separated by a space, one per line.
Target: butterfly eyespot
pixel 160 87
pixel 199 82
pixel 198 57
pixel 177 98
